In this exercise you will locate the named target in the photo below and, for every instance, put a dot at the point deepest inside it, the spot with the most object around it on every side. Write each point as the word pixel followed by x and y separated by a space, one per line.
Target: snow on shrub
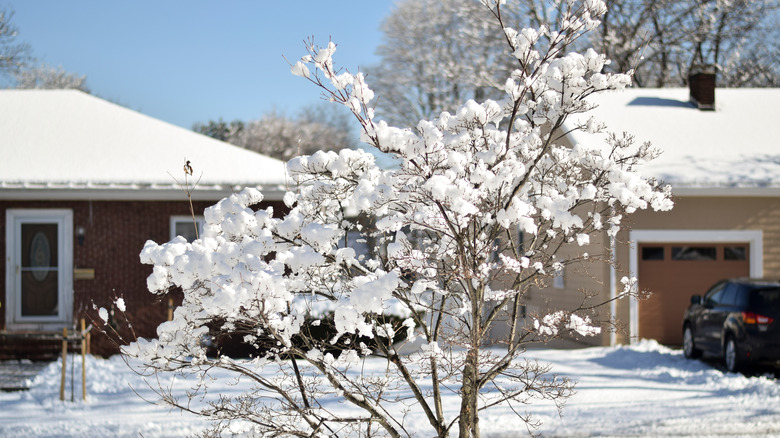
pixel 446 258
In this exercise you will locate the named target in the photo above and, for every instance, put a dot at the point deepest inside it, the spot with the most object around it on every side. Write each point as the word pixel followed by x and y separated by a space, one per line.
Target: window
pixel 39 269
pixel 713 297
pixel 520 242
pixel 653 253
pixel 766 299
pixel 495 249
pixel 729 297
pixel 558 279
pixel 185 226
pixel 743 296
pixel 359 243
pixel 735 253
pixel 694 253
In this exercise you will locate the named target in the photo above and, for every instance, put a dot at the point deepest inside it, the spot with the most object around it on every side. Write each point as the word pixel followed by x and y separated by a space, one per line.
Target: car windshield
pixel 766 299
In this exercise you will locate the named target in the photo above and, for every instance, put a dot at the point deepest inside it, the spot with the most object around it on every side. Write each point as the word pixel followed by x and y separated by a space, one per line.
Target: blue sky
pixel 189 61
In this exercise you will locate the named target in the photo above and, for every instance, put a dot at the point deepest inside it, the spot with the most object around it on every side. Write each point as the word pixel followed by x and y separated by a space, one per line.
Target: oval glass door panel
pixel 39 276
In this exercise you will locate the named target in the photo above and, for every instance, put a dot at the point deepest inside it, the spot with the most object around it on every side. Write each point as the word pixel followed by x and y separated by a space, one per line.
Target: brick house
pixel 84 183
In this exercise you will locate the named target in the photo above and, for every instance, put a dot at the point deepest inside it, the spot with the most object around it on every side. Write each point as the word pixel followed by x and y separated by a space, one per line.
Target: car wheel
pixel 689 347
pixel 731 355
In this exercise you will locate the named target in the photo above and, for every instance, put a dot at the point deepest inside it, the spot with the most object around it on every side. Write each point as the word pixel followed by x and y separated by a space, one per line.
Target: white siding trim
pixel 753 237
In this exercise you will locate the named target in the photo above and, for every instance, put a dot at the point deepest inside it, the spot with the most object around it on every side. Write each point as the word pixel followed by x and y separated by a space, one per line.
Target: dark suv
pixel 737 319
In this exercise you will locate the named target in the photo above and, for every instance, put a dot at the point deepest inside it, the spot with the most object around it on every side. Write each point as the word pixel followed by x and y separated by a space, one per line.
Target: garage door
pixel 675 271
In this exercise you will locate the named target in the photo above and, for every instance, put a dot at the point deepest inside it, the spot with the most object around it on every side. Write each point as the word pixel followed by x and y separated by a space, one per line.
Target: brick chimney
pixel 701 82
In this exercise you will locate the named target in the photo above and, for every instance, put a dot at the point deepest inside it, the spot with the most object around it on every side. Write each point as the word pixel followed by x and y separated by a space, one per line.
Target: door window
pixel 735 253
pixel 653 253
pixel 694 253
pixel 39 269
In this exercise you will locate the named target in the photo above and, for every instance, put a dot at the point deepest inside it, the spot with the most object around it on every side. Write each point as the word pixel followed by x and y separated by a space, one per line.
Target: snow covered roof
pixel 730 150
pixel 67 143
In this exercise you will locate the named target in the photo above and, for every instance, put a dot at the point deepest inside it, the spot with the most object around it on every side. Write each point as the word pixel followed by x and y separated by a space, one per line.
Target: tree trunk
pixel 469 419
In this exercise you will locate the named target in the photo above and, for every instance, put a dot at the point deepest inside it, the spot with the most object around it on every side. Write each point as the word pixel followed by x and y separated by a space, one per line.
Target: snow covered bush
pixel 447 259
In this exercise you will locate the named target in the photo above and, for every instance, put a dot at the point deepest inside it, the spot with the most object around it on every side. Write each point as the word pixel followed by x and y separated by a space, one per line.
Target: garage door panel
pixel 673 272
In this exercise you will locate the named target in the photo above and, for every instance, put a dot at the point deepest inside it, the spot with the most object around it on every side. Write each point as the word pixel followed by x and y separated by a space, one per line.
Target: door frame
pixel 753 237
pixel 64 220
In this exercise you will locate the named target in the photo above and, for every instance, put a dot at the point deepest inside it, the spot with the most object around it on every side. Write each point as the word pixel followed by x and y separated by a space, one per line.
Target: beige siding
pixel 710 213
pixel 689 213
pixel 584 283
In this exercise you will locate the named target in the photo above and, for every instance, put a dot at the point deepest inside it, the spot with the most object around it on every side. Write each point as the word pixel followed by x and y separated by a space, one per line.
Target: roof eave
pixel 682 191
pixel 275 193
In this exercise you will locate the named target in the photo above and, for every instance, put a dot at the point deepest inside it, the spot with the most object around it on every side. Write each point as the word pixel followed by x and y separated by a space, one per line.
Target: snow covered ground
pixel 642 390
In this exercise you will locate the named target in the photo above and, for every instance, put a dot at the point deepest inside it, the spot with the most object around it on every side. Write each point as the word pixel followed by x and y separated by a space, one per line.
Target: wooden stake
pixel 170 309
pixel 83 360
pixel 64 362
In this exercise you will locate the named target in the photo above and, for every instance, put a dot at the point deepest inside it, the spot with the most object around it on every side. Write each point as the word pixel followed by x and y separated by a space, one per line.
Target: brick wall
pixel 115 232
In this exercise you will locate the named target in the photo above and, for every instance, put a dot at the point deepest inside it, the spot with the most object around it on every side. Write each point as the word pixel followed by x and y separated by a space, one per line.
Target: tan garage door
pixel 675 271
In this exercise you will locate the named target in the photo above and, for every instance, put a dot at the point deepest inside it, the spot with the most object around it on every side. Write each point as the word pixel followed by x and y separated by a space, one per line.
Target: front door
pixel 39 269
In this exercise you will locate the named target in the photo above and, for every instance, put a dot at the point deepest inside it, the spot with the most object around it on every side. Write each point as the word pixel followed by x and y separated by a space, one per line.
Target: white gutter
pixel 726 191
pixel 130 194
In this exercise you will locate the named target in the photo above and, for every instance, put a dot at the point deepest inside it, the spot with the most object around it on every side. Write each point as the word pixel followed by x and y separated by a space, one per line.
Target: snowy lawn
pixel 642 390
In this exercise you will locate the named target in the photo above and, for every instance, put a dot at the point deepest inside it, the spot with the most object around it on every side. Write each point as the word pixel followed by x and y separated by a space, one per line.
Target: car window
pixel 743 293
pixel 729 297
pixel 766 299
pixel 713 297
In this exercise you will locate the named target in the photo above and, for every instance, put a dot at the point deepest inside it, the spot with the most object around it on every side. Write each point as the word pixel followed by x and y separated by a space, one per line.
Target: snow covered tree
pixel 17 62
pixel 277 135
pixel 43 76
pixel 663 39
pixel 447 260
pixel 437 53
pixel 13 54
pixel 219 129
pixel 740 38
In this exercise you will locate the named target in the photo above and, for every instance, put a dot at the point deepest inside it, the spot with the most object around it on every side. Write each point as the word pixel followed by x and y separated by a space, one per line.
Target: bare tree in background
pixel 13 54
pixel 277 135
pixel 220 129
pixel 18 63
pixel 44 76
pixel 437 53
pixel 425 42
pixel 741 38
pixel 663 39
